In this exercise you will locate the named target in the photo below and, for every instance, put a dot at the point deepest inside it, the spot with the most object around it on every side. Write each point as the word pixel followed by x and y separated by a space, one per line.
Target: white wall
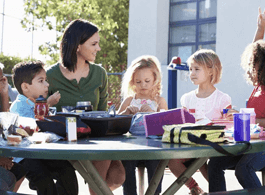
pixel 236 25
pixel 148 32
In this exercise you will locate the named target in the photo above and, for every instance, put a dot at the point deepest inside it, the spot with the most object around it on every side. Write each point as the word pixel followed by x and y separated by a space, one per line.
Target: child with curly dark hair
pixel 253 62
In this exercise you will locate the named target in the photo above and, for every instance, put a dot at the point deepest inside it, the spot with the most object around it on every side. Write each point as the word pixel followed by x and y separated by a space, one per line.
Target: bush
pixel 9 62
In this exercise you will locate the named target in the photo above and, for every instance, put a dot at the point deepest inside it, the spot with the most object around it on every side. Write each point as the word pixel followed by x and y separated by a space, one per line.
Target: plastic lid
pixel 83 103
pixel 40 99
pixel 248 110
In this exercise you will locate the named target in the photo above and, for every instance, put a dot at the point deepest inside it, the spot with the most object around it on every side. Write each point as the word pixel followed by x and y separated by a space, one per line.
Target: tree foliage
pixel 111 16
pixel 9 62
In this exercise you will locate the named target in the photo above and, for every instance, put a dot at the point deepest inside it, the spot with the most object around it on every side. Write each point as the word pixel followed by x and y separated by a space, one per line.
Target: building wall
pixel 148 32
pixel 236 25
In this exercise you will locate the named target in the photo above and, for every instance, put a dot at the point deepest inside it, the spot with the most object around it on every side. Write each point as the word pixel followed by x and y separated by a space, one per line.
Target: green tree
pixel 111 16
pixel 9 62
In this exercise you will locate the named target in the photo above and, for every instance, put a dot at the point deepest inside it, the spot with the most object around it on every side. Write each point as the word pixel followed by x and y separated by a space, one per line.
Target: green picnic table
pixel 125 147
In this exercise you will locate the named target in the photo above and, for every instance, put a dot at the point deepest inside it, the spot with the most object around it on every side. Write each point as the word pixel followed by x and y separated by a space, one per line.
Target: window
pixel 192 26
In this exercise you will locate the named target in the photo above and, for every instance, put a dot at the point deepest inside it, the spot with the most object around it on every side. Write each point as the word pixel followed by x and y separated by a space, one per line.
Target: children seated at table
pixel 141 90
pixel 29 79
pixel 204 102
pixel 253 62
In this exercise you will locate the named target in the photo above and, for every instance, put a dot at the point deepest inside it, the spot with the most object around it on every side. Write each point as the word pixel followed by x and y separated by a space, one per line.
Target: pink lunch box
pixel 153 122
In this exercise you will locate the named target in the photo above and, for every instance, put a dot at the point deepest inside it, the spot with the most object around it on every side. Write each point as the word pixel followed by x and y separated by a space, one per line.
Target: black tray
pixel 115 125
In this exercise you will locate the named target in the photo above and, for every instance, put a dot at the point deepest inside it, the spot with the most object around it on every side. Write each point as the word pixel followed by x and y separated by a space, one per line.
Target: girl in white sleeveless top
pixel 141 89
pixel 204 102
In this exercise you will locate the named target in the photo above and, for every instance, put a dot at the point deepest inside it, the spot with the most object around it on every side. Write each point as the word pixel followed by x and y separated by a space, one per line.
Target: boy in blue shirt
pixel 29 79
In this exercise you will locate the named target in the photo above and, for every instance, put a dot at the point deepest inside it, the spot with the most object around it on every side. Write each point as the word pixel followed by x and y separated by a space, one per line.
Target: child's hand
pixel 230 113
pixel 54 98
pixel 146 108
pixel 132 109
pixel 6 163
pixel 261 19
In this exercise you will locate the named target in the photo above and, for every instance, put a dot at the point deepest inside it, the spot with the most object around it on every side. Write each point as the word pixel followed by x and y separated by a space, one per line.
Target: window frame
pixel 197 22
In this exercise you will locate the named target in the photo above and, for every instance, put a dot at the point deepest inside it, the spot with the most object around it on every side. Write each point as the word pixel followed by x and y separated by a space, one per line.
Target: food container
pixel 103 124
pixel 56 124
pixel 71 131
pixel 41 108
pixel 228 123
pixel 84 106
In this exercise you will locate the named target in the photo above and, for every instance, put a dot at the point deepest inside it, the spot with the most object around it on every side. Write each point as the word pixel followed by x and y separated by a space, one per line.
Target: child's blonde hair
pixel 209 60
pixel 142 62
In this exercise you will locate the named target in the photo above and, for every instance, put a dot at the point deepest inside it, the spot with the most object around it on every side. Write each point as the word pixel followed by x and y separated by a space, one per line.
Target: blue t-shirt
pixel 23 107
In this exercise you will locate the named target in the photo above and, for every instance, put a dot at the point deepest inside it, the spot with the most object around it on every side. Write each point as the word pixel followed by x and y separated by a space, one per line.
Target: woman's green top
pixel 92 88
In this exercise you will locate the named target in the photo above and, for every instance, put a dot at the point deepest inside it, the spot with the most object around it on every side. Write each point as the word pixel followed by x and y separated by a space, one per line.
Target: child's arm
pixel 126 108
pixel 54 98
pixel 4 94
pixel 261 25
pixel 162 104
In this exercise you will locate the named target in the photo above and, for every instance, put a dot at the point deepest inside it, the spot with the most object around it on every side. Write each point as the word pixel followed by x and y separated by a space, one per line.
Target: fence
pixel 114 89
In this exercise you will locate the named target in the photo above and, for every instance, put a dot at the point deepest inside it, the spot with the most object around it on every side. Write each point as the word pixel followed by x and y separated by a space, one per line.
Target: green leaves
pixel 111 16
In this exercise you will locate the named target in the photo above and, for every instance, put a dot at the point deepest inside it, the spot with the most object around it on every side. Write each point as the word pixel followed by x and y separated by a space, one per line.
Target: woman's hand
pixel 132 109
pixel 146 108
pixel 54 98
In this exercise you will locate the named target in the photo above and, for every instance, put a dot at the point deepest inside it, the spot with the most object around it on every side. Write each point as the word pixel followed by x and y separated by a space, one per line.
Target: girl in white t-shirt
pixel 204 102
pixel 141 90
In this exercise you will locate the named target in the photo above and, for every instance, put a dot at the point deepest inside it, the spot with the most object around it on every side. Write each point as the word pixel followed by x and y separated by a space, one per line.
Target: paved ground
pixel 232 184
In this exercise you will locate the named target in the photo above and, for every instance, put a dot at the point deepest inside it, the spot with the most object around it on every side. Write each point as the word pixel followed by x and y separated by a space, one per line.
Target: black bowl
pixel 117 125
pixel 103 126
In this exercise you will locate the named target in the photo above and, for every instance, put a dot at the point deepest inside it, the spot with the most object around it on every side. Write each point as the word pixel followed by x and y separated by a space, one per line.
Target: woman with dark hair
pixel 77 78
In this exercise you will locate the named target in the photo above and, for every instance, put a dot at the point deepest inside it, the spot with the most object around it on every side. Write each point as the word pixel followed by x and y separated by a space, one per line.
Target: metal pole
pixel 172 88
pixel 182 179
pixel 2 38
pixel 32 29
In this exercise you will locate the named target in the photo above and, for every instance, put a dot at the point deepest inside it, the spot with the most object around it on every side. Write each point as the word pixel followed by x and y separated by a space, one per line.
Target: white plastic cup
pixel 252 113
